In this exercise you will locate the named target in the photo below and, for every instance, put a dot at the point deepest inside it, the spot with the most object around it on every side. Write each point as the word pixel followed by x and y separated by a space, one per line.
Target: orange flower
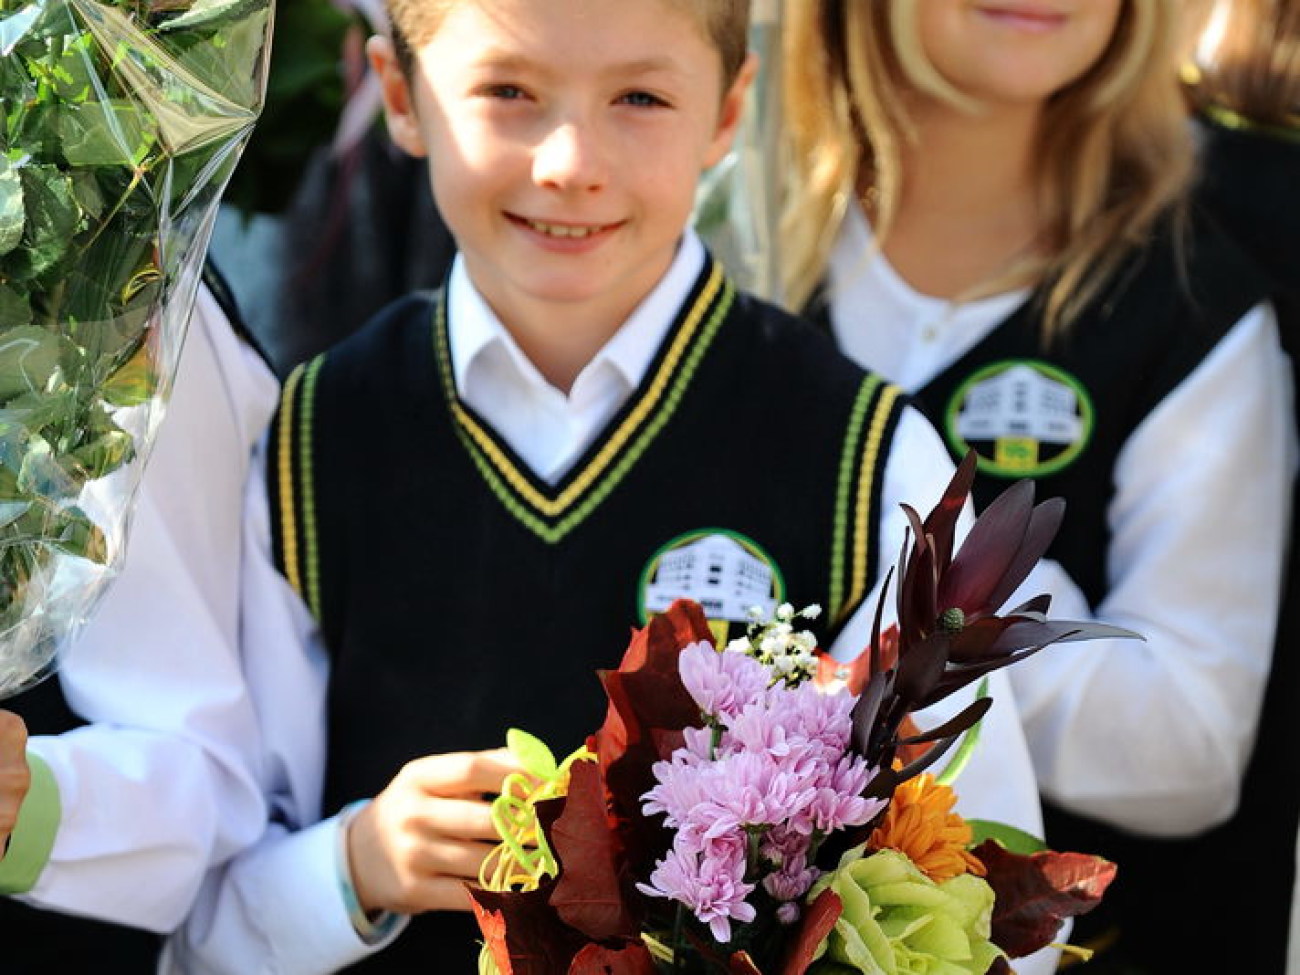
pixel 921 825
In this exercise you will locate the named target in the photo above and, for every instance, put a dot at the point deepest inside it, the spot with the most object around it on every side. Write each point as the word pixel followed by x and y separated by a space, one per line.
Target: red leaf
pixel 630 959
pixel 740 963
pixel 646 691
pixel 817 922
pixel 589 891
pixel 647 704
pixel 1036 893
pixel 523 932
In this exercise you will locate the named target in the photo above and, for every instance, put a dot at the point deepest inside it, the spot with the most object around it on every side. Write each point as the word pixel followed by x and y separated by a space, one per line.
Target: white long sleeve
pixel 1199 527
pixel 157 788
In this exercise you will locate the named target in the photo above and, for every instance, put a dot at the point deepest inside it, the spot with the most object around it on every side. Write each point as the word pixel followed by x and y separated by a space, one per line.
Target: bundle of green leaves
pixel 121 122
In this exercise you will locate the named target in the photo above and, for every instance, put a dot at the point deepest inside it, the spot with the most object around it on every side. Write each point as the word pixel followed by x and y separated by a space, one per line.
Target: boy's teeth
pixel 559 230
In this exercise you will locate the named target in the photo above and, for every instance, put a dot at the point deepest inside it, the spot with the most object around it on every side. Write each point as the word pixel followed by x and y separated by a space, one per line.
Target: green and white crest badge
pixel 1023 417
pixel 722 570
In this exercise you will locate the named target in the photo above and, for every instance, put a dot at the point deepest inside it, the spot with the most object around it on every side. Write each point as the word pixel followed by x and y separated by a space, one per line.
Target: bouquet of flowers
pixel 122 121
pixel 760 808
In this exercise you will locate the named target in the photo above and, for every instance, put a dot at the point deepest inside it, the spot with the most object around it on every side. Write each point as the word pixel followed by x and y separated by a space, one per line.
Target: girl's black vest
pixel 1060 414
pixel 460 596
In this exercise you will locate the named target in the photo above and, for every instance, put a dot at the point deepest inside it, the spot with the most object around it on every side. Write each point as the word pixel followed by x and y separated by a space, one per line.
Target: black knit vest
pixel 460 596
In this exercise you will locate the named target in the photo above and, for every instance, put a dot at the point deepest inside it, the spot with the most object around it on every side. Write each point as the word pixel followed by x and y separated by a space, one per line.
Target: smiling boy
pixel 475 498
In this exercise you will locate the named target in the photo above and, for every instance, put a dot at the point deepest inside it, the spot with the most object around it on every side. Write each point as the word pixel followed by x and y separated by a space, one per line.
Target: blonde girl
pixel 990 203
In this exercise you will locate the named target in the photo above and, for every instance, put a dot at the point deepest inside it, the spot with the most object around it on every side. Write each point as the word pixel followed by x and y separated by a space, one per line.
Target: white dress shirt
pixel 277 908
pixel 159 787
pixel 1150 736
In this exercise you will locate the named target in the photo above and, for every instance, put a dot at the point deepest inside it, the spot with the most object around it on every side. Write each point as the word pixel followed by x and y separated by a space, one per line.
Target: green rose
pixel 897 921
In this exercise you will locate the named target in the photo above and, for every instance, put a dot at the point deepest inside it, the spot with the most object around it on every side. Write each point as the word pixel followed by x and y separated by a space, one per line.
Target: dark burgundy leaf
pixel 1035 893
pixel 957 677
pixel 1038 606
pixel 1031 633
pixel 817 922
pixel 589 891
pixel 920 666
pixel 632 958
pixel 976 640
pixel 523 932
pixel 941 524
pixel 1044 522
pixel 740 963
pixel 985 554
pixel 954 726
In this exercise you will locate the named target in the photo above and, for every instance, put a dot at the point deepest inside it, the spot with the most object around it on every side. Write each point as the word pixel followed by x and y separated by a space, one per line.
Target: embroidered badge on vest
pixel 1023 417
pixel 725 572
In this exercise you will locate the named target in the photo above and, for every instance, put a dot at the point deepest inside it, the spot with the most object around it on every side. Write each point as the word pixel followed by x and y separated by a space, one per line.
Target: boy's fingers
pixel 465 819
pixel 462 773
pixel 439 894
pixel 456 859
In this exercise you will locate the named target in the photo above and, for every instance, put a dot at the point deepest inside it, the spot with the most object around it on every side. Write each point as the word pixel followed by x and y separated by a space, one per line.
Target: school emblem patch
pixel 1023 417
pixel 722 570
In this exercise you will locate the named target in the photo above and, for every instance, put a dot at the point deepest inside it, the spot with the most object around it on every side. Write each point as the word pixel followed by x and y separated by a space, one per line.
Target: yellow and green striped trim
pixel 552 516
pixel 861 466
pixel 1286 131
pixel 298 550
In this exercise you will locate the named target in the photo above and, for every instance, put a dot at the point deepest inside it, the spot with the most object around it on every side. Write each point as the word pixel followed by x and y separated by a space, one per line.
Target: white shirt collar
pixel 545 428
pixel 473 327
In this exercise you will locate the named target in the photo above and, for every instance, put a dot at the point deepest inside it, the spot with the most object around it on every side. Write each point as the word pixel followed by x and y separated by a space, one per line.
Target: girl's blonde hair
pixel 1115 153
pixel 1251 71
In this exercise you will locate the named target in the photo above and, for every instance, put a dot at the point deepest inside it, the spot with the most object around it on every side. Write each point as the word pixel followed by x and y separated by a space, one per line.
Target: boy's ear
pixel 731 111
pixel 399 103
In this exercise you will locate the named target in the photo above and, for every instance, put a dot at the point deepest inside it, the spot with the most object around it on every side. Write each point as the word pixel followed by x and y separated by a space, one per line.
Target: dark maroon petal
pixel 866 711
pixel 1044 523
pixel 987 552
pixel 916 605
pixel 953 726
pixel 1031 633
pixel 977 639
pixel 941 524
pixel 920 665
pixel 875 648
pixel 958 677
pixel 1038 606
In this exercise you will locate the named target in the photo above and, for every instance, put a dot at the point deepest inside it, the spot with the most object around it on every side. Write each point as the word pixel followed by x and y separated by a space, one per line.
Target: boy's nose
pixel 569 158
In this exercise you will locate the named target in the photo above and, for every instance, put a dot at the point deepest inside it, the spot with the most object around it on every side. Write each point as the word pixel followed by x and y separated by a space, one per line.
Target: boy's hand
pixel 414 847
pixel 15 778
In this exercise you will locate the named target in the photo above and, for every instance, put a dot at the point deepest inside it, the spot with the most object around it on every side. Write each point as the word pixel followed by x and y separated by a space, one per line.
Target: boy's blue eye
pixel 505 92
pixel 642 99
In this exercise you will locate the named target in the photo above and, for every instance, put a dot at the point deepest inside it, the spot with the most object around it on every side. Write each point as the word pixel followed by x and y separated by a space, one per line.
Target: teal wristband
pixel 371 930
pixel 32 840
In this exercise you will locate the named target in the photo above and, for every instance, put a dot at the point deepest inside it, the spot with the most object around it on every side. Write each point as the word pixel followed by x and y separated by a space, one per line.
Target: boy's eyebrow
pixel 502 60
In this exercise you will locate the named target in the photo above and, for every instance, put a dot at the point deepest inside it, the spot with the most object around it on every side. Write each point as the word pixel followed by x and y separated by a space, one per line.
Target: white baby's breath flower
pixel 740 645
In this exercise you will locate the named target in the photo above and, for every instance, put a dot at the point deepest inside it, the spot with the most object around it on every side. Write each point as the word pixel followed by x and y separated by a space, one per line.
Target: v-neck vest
pixel 1162 314
pixel 460 595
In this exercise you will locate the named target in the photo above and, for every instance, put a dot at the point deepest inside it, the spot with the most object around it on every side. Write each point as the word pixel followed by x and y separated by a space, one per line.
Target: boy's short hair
pixel 726 24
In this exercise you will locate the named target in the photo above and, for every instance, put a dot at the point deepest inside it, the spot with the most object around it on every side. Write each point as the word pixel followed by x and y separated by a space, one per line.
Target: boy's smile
pixel 565 140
